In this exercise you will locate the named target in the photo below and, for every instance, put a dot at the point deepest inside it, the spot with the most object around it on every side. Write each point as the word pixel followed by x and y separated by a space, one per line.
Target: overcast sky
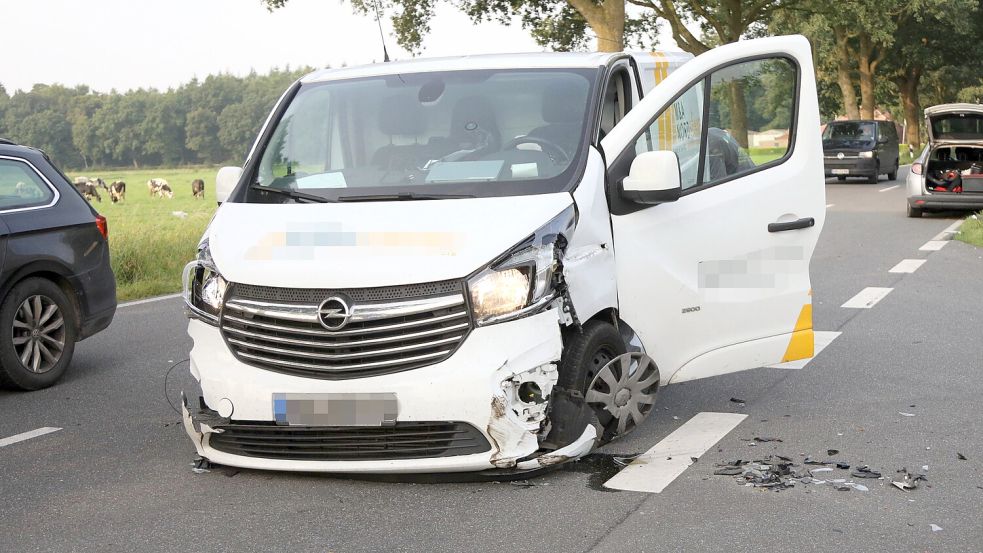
pixel 125 44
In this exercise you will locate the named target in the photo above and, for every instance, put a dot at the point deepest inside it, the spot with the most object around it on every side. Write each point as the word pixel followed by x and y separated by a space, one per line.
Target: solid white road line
pixel 949 231
pixel 822 338
pixel 933 245
pixel 907 266
pixel 27 435
pixel 655 469
pixel 889 188
pixel 867 298
pixel 149 300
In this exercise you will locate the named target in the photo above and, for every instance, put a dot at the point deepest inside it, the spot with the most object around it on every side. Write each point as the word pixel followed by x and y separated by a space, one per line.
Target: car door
pixel 718 280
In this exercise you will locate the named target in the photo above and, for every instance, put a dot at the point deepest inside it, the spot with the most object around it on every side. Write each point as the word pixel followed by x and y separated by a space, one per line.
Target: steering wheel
pixel 551 149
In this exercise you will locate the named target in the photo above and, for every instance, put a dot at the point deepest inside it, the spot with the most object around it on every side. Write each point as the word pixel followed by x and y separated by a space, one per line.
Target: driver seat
pixel 563 111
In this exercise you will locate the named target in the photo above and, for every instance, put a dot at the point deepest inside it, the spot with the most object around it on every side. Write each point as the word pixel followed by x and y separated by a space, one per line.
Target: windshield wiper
pixel 402 196
pixel 299 196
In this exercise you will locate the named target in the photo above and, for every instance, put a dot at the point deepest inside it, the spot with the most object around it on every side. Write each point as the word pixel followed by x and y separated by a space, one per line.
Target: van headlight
pixel 204 286
pixel 520 282
pixel 866 154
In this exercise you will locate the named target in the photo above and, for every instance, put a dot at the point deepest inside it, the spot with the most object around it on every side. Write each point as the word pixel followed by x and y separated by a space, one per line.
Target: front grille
pixel 382 337
pixel 405 440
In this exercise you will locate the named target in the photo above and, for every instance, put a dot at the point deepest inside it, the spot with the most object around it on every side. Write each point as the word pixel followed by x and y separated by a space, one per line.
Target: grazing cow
pixel 160 188
pixel 101 184
pixel 87 188
pixel 198 188
pixel 117 191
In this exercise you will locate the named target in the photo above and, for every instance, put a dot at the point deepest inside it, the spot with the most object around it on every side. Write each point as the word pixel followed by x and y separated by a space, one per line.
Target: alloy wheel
pixel 39 333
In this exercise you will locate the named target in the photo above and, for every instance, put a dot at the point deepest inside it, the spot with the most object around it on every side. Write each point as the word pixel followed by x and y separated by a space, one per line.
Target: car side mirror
pixel 654 178
pixel 226 181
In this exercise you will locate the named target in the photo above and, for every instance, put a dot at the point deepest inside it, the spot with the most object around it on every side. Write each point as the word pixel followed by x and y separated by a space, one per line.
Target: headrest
pixel 402 115
pixel 564 103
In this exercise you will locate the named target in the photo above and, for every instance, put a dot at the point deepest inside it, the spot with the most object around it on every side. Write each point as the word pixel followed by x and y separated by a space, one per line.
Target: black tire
pixel 914 212
pixel 580 358
pixel 51 367
pixel 893 175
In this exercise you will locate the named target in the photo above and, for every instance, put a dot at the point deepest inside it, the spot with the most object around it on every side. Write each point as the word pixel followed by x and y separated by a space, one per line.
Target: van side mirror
pixel 226 181
pixel 654 178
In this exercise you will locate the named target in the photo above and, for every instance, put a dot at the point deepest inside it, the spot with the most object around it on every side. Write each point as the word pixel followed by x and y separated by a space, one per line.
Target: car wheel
pixel 37 335
pixel 893 175
pixel 914 212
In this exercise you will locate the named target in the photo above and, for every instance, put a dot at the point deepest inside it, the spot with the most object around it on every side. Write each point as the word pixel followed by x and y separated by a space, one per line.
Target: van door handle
pixel 804 222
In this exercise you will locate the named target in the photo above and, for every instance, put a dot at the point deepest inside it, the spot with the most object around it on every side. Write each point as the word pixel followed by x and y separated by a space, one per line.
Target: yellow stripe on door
pixel 803 342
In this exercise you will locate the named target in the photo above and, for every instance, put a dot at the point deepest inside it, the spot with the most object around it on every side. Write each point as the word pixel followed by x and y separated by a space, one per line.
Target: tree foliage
pixel 209 121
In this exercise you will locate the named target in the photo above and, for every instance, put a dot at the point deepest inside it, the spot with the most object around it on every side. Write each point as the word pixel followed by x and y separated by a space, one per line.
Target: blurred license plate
pixel 334 409
pixel 841 171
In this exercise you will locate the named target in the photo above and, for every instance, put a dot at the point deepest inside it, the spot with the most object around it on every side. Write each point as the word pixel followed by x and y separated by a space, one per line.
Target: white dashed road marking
pixel 867 298
pixel 889 188
pixel 933 245
pixel 655 469
pixel 822 339
pixel 27 435
pixel 907 266
pixel 149 300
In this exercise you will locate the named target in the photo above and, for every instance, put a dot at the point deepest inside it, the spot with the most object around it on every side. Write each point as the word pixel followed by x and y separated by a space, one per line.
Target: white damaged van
pixel 493 263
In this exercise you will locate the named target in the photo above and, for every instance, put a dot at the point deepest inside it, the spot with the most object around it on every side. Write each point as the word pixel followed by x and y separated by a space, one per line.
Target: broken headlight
pixel 204 287
pixel 520 282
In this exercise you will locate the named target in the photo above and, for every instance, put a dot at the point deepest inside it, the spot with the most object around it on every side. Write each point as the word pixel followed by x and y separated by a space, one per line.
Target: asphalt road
pixel 117 477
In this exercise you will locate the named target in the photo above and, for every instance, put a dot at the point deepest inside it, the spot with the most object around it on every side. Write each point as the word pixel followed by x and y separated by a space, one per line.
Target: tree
pixel 560 24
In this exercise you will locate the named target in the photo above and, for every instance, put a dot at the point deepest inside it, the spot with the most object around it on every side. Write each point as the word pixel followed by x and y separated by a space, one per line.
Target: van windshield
pixel 849 131
pixel 441 134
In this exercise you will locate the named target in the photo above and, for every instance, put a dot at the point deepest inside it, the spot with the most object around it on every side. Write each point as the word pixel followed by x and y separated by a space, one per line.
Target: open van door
pixel 714 277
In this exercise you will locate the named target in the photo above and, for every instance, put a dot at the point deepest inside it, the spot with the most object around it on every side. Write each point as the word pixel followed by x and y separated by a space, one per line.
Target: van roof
pixel 543 60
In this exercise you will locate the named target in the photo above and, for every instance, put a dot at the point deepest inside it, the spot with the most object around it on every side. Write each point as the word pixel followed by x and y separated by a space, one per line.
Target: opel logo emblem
pixel 839 155
pixel 333 313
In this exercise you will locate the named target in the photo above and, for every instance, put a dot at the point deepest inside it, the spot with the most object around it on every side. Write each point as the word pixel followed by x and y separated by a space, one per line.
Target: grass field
pixel 971 231
pixel 148 243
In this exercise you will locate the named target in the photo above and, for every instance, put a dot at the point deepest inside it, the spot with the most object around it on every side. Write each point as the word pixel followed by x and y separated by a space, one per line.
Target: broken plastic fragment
pixel 858 487
pixel 960 456
pixel 832 452
pixel 908 481
pixel 906 414
pixel 842 465
pixel 729 471
pixel 623 461
pixel 737 400
pixel 865 472
pixel 823 469
pixel 935 527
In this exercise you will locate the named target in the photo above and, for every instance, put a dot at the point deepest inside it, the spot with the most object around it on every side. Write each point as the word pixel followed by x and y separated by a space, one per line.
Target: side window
pixel 679 128
pixel 21 187
pixel 749 118
pixel 617 101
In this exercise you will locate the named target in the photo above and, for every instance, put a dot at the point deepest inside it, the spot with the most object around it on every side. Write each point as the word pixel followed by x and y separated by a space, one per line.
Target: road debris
pixel 865 472
pixel 832 452
pixel 200 465
pixel 960 456
pixel 935 527
pixel 906 414
pixel 908 481
pixel 522 484
pixel 762 439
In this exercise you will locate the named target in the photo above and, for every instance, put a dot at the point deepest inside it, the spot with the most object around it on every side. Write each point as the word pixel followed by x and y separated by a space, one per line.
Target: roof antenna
pixel 382 37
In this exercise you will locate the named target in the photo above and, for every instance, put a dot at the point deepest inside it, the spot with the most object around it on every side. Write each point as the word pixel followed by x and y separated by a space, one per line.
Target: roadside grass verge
pixel 971 231
pixel 148 243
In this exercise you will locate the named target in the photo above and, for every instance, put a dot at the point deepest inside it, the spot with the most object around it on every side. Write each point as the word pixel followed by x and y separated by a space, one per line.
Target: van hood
pixel 369 244
pixel 955 123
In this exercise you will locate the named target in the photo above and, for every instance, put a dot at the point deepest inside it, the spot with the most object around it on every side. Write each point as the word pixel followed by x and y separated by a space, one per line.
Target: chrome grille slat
pixel 343 356
pixel 348 368
pixel 388 334
pixel 355 344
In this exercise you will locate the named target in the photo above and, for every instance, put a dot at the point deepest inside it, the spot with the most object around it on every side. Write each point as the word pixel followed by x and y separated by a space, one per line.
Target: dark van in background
pixel 861 149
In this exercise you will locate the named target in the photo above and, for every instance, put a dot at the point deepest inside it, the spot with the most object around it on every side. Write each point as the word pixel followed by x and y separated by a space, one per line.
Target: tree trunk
pixel 843 73
pixel 607 20
pixel 911 105
pixel 738 113
pixel 865 67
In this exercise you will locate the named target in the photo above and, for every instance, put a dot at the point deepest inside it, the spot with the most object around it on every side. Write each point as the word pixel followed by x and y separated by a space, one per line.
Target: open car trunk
pixel 955 169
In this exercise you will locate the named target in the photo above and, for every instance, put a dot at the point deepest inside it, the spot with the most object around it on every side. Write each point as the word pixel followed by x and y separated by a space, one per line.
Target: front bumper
pixel 856 167
pixel 471 387
pixel 944 201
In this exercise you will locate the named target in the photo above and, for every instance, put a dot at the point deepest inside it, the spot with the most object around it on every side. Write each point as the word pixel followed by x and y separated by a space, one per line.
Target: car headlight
pixel 520 282
pixel 866 154
pixel 204 286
